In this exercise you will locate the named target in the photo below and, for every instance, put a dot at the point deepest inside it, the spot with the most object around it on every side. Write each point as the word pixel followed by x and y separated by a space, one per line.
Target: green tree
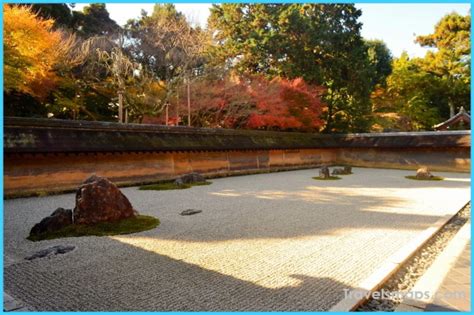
pixel 451 59
pixel 414 95
pixel 380 59
pixel 319 42
pixel 61 13
pixel 94 20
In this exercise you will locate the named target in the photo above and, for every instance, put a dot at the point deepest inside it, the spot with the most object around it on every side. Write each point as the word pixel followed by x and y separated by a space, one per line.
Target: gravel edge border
pixel 357 296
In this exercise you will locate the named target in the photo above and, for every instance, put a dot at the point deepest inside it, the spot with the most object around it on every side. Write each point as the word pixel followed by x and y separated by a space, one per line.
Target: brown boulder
pixel 99 200
pixel 423 173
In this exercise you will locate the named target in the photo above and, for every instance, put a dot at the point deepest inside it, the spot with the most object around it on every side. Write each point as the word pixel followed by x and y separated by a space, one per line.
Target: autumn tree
pixel 255 102
pixel 31 49
pixel 283 104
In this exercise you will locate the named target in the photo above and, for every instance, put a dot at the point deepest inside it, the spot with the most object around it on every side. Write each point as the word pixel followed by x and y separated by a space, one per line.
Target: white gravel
pixel 279 241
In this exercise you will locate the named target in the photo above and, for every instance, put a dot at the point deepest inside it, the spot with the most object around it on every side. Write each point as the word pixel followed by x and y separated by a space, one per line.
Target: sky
pixel 396 24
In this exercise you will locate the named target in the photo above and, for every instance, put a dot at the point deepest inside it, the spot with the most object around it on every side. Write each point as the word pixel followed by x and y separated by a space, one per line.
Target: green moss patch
pixel 434 178
pixel 329 178
pixel 126 226
pixel 171 185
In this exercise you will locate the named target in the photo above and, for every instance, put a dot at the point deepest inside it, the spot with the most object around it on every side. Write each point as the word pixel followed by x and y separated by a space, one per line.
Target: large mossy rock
pixel 99 200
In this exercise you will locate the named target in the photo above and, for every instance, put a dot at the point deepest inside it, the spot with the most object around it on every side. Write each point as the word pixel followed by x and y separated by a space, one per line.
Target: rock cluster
pixel 190 178
pixel 97 200
pixel 324 171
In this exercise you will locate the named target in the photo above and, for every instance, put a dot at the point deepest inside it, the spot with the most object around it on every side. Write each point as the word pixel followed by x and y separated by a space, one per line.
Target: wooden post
pixel 189 103
pixel 120 109
pixel 177 106
pixel 166 111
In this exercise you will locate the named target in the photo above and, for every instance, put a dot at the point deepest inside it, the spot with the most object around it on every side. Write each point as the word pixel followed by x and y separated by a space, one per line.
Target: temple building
pixel 460 121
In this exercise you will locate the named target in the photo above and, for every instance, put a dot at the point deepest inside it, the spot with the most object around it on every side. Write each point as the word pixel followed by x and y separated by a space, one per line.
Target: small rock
pixel 423 173
pixel 190 178
pixel 100 200
pixel 324 172
pixel 342 171
pixel 56 221
pixel 179 182
pixel 54 250
pixel 190 212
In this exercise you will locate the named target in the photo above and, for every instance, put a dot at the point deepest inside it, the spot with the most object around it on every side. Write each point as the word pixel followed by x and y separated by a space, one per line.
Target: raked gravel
pixel 268 242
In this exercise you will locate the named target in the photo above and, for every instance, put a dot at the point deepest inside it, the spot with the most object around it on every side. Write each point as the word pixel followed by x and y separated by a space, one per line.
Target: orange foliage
pixel 30 50
pixel 254 103
pixel 285 104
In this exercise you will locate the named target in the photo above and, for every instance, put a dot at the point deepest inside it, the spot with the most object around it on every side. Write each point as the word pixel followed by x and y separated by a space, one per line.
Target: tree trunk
pixel 451 109
pixel 166 111
pixel 126 115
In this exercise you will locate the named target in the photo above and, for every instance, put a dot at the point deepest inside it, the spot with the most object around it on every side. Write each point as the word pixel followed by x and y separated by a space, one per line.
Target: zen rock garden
pixel 275 240
pixel 100 201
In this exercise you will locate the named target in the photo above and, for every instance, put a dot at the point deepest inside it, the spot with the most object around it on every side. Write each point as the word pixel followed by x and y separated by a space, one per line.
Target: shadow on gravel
pixel 127 278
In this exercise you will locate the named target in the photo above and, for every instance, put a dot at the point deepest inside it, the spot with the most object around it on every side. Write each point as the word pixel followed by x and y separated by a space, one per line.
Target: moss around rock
pixel 433 178
pixel 171 185
pixel 327 178
pixel 126 226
